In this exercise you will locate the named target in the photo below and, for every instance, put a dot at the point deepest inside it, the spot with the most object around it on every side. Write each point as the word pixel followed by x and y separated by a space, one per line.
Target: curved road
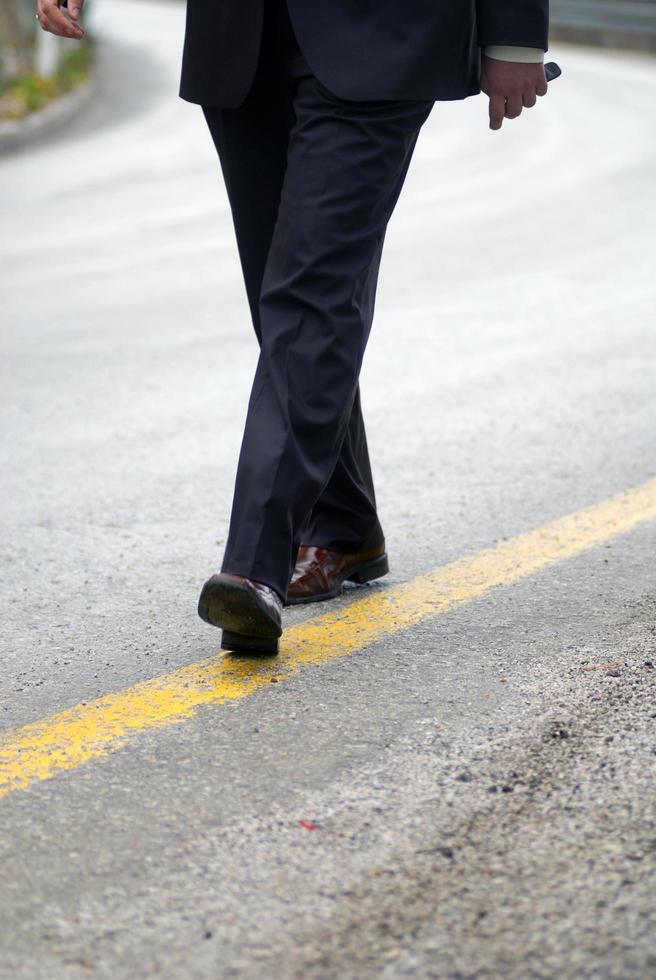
pixel 469 796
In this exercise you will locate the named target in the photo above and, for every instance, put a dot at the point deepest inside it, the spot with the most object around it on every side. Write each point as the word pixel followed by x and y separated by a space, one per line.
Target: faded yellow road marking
pixel 87 731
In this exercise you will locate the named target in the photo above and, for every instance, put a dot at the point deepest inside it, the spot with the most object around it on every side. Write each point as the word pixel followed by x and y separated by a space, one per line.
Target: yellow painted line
pixel 88 731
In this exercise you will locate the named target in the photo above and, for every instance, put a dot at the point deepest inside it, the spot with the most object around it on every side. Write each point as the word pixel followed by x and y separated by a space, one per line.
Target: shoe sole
pixel 366 572
pixel 242 643
pixel 232 607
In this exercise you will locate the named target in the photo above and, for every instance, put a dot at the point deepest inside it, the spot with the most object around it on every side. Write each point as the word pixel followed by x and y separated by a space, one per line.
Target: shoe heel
pixel 242 643
pixel 370 570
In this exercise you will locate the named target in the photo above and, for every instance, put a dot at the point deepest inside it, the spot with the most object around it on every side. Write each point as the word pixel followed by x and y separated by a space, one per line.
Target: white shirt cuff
pixel 507 52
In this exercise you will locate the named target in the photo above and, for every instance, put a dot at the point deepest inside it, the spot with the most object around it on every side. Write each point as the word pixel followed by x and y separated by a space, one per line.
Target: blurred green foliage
pixel 22 88
pixel 20 96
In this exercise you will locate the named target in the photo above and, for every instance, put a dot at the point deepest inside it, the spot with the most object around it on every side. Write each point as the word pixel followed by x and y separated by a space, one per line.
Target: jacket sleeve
pixel 524 23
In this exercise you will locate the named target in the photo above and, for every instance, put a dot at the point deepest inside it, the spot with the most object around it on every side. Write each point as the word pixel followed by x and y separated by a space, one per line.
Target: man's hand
pixel 52 19
pixel 511 87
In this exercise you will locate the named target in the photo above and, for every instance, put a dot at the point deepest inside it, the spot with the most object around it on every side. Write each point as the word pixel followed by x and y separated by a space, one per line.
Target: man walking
pixel 315 107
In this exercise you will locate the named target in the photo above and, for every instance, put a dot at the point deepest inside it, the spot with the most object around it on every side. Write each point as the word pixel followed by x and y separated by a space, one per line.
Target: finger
pixel 75 8
pixel 64 24
pixel 53 20
pixel 41 17
pixel 497 111
pixel 513 106
pixel 542 87
pixel 45 24
pixel 529 98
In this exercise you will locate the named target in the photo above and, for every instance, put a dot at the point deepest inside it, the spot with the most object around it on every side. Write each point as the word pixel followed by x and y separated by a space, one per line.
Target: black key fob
pixel 552 70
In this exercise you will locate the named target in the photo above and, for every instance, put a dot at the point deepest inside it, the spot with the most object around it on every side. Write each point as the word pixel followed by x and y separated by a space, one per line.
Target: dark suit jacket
pixel 359 49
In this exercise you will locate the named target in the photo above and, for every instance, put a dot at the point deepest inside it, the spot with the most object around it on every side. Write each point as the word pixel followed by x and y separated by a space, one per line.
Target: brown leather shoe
pixel 320 574
pixel 249 612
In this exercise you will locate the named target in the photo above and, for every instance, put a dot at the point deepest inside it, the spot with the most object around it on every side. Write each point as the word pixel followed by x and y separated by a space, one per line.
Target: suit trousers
pixel 312 182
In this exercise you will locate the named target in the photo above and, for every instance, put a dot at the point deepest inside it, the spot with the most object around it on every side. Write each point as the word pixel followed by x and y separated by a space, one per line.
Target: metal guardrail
pixel 612 23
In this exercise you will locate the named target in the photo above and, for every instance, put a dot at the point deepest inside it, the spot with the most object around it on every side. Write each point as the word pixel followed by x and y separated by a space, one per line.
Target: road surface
pixel 444 787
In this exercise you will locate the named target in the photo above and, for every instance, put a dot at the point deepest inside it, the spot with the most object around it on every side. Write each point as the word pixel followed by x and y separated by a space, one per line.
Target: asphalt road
pixel 469 797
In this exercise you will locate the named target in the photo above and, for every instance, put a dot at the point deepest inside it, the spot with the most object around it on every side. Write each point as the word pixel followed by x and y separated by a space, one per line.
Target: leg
pixel 252 142
pixel 346 163
pixel 344 518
